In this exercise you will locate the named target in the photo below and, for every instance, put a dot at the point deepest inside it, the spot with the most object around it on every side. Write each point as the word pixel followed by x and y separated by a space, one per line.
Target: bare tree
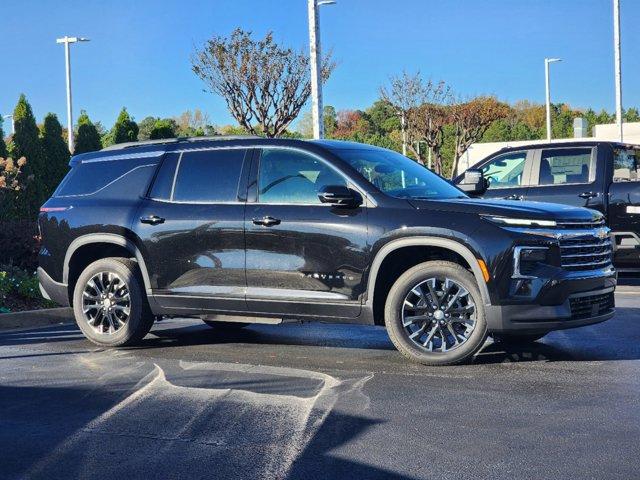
pixel 428 122
pixel 471 120
pixel 264 84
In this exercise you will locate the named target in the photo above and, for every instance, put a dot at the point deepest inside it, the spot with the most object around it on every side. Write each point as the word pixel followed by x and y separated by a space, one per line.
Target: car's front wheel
pixel 434 314
pixel 109 303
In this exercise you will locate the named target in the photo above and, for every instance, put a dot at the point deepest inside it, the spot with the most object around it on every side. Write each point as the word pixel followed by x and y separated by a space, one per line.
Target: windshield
pixel 397 175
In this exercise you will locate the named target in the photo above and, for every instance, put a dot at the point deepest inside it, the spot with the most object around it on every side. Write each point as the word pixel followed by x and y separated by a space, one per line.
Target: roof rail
pixel 121 146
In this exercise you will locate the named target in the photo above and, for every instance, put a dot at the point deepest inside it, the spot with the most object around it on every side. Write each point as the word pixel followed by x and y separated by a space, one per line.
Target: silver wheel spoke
pixel 106 303
pixel 454 314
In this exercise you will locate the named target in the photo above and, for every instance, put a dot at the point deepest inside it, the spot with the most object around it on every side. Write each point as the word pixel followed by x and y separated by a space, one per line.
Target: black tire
pixel 394 305
pixel 226 326
pixel 517 339
pixel 140 319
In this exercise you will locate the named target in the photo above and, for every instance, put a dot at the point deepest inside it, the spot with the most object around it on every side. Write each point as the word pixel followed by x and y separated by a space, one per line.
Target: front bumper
pixel 52 290
pixel 568 303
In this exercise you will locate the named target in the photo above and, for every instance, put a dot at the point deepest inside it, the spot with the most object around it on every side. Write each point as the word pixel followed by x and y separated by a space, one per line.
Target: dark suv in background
pixel 241 230
pixel 601 175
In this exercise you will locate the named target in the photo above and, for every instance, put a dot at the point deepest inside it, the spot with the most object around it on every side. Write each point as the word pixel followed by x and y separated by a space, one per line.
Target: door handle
pixel 266 221
pixel 152 219
pixel 513 197
pixel 588 195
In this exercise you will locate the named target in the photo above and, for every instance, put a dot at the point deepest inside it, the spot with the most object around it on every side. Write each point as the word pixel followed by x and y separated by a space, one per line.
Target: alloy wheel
pixel 438 315
pixel 106 303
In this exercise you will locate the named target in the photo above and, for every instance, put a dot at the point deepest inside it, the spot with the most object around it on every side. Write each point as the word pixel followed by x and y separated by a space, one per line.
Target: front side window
pixel 397 175
pixel 626 164
pixel 506 170
pixel 565 165
pixel 290 176
pixel 208 176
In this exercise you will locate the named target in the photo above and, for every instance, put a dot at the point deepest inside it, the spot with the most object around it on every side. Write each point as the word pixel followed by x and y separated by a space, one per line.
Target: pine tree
pixel 26 143
pixel 125 129
pixel 56 151
pixel 3 146
pixel 88 138
pixel 163 128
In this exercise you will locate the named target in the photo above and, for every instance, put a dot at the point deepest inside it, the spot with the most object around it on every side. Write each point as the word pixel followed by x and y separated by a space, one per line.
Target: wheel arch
pixel 456 248
pixel 110 239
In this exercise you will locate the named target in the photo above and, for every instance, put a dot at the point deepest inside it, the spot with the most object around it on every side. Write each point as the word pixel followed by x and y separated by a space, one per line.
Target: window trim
pixel 526 170
pixel 181 152
pixel 535 171
pixel 255 180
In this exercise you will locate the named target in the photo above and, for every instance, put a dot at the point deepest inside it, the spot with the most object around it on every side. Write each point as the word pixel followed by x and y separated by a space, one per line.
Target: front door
pixel 303 257
pixel 568 175
pixel 507 175
pixel 192 231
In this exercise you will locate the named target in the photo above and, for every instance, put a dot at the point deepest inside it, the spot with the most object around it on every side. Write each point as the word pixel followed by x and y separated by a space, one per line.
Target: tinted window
pixel 567 165
pixel 505 170
pixel 209 176
pixel 90 177
pixel 289 176
pixel 626 165
pixel 397 175
pixel 164 179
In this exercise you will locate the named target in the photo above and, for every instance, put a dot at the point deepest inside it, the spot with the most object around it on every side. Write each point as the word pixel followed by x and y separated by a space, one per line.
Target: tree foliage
pixel 3 145
pixel 26 143
pixel 56 152
pixel 87 137
pixel 163 128
pixel 265 85
pixel 125 129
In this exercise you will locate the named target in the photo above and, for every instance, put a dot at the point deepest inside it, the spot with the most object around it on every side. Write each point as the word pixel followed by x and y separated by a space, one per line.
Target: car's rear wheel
pixel 434 314
pixel 517 339
pixel 109 303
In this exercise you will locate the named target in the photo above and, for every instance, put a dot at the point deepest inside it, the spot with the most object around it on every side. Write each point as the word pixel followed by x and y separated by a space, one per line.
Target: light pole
pixel 67 40
pixel 618 65
pixel 13 123
pixel 547 61
pixel 316 66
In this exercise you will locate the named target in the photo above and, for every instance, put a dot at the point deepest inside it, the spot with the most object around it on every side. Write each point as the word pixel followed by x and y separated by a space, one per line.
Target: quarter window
pixel 567 165
pixel 626 165
pixel 208 176
pixel 505 170
pixel 289 176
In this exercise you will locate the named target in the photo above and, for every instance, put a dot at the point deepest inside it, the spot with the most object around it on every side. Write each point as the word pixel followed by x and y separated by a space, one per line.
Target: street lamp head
pixel 326 2
pixel 552 60
pixel 71 39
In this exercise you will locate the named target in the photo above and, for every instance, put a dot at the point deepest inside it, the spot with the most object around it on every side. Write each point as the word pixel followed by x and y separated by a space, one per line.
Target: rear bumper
pixel 52 290
pixel 569 304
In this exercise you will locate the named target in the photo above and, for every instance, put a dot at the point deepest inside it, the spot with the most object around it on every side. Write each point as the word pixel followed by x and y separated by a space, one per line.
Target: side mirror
pixel 339 195
pixel 473 182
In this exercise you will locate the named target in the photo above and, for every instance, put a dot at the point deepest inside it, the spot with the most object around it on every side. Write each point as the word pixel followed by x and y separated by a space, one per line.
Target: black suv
pixel 237 230
pixel 597 174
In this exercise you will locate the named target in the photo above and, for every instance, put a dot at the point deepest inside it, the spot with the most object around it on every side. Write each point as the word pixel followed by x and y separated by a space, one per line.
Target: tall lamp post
pixel 618 66
pixel 547 61
pixel 316 66
pixel 67 40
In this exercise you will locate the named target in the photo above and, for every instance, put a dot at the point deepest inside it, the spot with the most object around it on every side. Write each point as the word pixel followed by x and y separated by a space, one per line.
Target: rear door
pixel 508 175
pixel 192 230
pixel 568 175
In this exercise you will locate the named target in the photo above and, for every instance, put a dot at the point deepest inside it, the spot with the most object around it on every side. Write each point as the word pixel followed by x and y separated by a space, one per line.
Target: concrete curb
pixel 36 318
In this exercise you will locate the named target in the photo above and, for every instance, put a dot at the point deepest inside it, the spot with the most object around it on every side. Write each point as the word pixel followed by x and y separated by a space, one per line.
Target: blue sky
pixel 139 52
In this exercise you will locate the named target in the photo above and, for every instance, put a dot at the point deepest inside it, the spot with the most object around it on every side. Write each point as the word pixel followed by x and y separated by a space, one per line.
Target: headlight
pixel 525 259
pixel 520 222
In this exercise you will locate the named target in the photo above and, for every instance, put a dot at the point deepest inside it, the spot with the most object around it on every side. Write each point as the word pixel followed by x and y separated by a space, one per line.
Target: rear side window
pixel 565 165
pixel 208 176
pixel 89 178
pixel 626 165
pixel 163 183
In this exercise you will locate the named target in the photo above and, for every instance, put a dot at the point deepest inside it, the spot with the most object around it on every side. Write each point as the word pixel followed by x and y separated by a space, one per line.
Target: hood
pixel 510 208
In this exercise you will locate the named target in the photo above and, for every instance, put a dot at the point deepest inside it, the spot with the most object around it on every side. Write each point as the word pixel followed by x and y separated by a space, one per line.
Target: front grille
pixel 591 305
pixel 582 225
pixel 587 252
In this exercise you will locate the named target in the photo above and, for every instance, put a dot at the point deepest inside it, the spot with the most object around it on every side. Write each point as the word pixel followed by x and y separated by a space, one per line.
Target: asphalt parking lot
pixel 306 401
